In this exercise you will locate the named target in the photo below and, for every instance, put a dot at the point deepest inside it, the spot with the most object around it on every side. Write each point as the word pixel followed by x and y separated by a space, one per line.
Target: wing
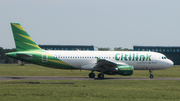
pixel 106 64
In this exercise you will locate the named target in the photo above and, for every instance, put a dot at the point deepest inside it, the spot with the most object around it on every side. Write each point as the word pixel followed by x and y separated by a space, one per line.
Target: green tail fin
pixel 22 40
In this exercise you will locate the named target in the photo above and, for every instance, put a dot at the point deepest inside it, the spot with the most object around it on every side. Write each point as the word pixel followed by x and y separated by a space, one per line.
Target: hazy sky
pixel 103 23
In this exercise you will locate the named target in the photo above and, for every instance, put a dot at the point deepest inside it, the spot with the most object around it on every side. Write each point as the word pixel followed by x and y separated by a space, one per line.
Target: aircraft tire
pixel 151 76
pixel 91 75
pixel 101 76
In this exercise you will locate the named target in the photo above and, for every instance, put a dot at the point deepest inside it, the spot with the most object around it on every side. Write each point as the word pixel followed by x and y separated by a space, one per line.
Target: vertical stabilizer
pixel 22 40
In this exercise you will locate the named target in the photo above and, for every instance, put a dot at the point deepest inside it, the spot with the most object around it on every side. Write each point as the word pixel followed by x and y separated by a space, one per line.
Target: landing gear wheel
pixel 151 76
pixel 151 72
pixel 101 76
pixel 91 75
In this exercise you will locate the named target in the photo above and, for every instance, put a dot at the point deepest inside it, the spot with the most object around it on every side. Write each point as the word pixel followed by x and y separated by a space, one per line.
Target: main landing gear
pixel 100 75
pixel 91 75
pixel 151 76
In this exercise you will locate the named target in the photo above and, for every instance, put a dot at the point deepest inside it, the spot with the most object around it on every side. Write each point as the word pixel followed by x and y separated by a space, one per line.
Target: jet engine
pixel 125 70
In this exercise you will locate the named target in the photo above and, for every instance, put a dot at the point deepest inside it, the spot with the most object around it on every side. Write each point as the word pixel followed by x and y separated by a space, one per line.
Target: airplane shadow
pixel 111 78
pixel 16 77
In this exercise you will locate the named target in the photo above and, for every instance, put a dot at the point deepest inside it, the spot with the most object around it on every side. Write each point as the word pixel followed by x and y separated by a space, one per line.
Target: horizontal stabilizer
pixel 25 56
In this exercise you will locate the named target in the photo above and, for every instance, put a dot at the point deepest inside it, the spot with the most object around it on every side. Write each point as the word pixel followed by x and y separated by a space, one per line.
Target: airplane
pixel 105 62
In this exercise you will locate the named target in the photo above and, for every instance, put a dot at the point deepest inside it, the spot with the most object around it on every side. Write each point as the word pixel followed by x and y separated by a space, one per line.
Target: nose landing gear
pixel 151 72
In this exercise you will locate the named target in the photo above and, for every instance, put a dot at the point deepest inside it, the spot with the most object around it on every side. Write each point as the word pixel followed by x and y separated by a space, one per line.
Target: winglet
pixel 97 59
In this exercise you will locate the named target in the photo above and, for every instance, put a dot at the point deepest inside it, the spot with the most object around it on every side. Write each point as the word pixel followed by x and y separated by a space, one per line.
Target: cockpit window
pixel 163 57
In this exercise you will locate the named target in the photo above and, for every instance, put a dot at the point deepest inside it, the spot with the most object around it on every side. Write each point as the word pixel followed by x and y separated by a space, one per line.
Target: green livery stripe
pixel 22 40
pixel 37 59
pixel 27 47
pixel 32 45
pixel 59 62
pixel 52 59
pixel 27 37
pixel 98 59
pixel 17 25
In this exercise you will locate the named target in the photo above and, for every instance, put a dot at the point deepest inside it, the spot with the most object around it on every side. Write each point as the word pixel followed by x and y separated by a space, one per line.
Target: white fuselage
pixel 139 60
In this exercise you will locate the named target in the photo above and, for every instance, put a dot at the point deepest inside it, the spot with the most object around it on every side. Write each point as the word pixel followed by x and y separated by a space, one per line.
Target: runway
pixel 11 78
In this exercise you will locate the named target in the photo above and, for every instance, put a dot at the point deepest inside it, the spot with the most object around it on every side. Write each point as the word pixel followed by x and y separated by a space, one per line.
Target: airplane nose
pixel 170 63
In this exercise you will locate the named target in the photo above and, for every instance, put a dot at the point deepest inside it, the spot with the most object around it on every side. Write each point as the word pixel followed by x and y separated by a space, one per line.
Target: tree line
pixel 4 59
pixel 7 60
pixel 115 49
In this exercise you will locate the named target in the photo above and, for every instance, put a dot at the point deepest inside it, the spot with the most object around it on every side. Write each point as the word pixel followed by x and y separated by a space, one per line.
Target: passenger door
pixel 44 57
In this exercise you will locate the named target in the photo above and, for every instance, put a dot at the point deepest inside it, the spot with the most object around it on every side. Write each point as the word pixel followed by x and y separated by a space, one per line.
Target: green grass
pixel 96 90
pixel 35 70
pixel 88 90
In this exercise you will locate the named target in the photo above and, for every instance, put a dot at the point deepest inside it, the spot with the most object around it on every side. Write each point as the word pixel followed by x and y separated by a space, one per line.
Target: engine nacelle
pixel 125 70
pixel 121 70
